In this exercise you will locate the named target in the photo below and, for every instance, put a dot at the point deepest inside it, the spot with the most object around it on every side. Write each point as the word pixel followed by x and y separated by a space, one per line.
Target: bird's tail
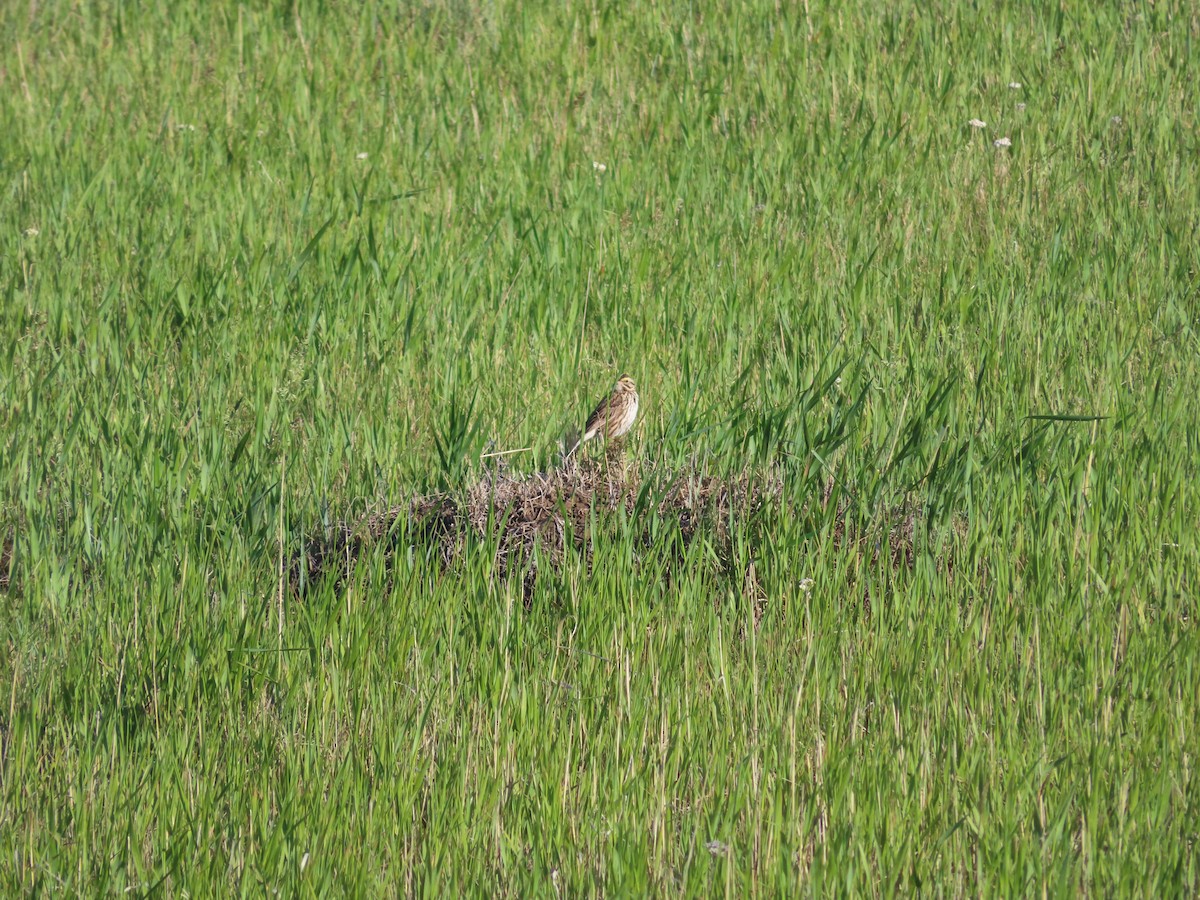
pixel 582 438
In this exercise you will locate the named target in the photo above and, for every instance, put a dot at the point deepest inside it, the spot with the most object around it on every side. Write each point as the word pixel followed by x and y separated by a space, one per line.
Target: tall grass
pixel 265 267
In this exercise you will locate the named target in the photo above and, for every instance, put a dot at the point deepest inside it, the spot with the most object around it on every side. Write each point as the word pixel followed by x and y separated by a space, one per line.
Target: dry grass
pixel 6 563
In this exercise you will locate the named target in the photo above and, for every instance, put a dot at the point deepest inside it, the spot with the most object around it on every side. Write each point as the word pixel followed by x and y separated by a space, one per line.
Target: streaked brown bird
pixel 614 416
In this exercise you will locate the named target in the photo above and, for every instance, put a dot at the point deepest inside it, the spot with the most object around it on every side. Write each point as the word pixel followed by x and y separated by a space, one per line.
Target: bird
pixel 614 416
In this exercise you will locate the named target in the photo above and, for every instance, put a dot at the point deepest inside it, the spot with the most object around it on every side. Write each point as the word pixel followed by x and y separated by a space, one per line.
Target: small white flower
pixel 977 123
pixel 1014 85
pixel 1020 107
pixel 599 166
pixel 717 848
pixel 32 231
pixel 361 156
pixel 1116 120
pixel 806 585
pixel 184 127
pixel 1002 142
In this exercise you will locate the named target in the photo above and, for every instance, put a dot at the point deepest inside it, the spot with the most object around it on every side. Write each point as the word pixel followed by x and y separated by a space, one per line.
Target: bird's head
pixel 625 383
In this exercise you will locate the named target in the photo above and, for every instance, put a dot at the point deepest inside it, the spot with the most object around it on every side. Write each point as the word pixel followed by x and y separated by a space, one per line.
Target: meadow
pixel 923 275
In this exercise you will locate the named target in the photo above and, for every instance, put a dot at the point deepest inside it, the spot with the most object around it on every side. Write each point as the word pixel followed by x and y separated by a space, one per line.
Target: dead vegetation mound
pixel 552 511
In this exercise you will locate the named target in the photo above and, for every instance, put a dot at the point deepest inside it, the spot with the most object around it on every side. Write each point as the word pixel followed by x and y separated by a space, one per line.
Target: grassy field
pixel 267 268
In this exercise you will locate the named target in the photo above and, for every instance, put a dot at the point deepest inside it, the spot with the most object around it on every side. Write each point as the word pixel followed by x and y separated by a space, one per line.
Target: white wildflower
pixel 806 585
pixel 32 231
pixel 1020 107
pixel 1014 85
pixel 599 166
pixel 1002 142
pixel 361 156
pixel 977 123
pixel 1116 120
pixel 717 848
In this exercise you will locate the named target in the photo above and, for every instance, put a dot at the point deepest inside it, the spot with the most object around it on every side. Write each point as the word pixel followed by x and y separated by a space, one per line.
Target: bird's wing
pixel 595 421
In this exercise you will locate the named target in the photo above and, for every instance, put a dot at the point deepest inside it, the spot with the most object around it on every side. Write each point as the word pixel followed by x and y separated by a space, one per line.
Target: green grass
pixel 258 263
